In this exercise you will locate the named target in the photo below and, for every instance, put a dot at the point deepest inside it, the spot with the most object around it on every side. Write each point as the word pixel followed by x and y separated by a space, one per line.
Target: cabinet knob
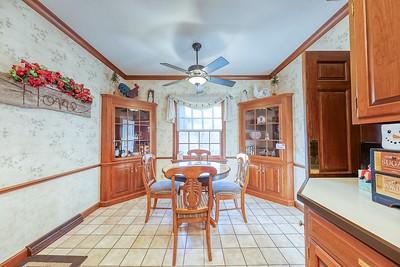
pixel 301 223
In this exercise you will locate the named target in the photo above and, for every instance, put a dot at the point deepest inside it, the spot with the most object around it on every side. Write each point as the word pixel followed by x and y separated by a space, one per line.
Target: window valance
pixel 200 102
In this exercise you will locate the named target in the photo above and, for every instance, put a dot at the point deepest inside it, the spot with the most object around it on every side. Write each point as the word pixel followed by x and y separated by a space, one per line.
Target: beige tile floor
pixel 117 236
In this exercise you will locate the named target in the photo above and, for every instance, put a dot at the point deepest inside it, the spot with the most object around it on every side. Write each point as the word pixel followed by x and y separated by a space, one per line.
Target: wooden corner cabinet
pixel 128 130
pixel 266 137
pixel 375 60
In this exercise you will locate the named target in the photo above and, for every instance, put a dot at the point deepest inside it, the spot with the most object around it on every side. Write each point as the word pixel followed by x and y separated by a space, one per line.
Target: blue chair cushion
pixel 163 187
pixel 223 187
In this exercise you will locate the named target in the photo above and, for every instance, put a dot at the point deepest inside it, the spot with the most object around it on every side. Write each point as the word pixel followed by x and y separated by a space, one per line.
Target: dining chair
pixel 199 153
pixel 155 189
pixel 192 204
pixel 226 190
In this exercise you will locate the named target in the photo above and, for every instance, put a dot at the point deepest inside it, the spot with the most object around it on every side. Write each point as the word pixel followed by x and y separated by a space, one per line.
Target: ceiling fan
pixel 199 74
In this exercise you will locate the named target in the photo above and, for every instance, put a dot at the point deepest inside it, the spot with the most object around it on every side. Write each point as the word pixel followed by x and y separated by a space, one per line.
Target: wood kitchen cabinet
pixel 266 136
pixel 375 60
pixel 329 246
pixel 127 132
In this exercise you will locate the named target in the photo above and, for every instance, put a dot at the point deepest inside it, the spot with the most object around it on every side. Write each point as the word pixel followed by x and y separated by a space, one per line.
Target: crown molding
pixel 180 77
pixel 335 19
pixel 61 25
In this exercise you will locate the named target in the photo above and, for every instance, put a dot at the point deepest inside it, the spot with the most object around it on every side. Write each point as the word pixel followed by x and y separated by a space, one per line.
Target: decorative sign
pixel 44 97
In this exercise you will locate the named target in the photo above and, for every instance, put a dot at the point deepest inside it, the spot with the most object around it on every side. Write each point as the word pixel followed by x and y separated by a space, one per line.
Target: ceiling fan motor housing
pixel 196 46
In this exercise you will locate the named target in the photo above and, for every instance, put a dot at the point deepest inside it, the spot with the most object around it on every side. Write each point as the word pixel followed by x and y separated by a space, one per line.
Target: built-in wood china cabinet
pixel 266 136
pixel 128 130
pixel 375 60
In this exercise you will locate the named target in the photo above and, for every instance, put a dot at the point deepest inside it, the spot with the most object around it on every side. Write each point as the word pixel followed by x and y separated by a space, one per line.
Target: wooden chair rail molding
pixel 45 179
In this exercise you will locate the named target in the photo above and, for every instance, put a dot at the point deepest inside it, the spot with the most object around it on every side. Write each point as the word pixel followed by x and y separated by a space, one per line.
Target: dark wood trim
pixel 299 165
pixel 180 77
pixel 382 246
pixel 89 210
pixel 43 242
pixel 335 19
pixel 16 259
pixel 164 157
pixel 62 26
pixel 44 179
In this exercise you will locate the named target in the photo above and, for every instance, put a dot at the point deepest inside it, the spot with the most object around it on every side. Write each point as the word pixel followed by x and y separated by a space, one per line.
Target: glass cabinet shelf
pixel 132 132
pixel 262 132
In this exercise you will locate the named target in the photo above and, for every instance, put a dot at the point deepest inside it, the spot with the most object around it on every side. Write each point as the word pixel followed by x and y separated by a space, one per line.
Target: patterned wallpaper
pixel 291 80
pixel 66 141
pixel 36 143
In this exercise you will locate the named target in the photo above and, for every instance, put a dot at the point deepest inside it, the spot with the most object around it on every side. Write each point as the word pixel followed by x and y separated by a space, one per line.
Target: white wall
pixel 291 80
pixel 37 143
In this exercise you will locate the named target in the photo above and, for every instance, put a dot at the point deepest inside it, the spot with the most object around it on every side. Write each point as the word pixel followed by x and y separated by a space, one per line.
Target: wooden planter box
pixel 46 97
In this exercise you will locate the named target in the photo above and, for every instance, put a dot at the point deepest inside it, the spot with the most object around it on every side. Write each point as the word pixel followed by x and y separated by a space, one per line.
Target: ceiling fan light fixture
pixel 197 80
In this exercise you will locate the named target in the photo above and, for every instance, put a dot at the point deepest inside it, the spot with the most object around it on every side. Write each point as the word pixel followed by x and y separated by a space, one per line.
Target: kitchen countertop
pixel 341 202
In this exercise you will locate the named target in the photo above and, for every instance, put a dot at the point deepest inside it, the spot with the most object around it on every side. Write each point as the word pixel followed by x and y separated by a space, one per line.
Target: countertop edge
pixel 382 246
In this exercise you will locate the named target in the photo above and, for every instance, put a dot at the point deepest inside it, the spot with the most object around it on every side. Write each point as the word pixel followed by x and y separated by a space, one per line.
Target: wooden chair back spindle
pixel 192 188
pixel 242 170
pixel 149 176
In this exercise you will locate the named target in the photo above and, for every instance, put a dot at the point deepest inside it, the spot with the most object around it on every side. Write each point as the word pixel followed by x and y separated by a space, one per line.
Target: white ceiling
pixel 253 35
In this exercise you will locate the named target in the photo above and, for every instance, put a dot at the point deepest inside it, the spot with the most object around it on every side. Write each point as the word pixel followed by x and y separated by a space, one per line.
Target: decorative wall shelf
pixel 45 97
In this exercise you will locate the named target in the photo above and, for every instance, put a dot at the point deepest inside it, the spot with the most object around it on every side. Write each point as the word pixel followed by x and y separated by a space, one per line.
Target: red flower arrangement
pixel 37 75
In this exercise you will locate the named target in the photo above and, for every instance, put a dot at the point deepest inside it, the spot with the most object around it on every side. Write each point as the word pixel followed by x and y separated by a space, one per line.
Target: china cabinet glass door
pixel 263 136
pixel 132 132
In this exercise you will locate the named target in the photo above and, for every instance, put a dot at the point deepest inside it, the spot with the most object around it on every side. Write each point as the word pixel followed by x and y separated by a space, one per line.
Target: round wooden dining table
pixel 223 169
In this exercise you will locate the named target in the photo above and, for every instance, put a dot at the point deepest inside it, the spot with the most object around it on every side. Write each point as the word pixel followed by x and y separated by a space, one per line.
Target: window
pixel 200 129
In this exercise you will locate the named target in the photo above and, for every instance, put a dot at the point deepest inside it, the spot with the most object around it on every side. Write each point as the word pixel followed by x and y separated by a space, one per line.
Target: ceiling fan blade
pixel 216 65
pixel 173 82
pixel 174 67
pixel 221 81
